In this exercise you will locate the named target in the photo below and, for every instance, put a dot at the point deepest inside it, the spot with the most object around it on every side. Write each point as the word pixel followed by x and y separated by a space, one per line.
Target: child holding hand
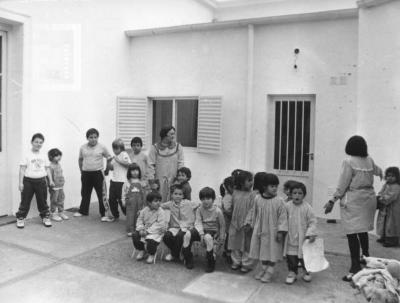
pixel 210 224
pixel 302 225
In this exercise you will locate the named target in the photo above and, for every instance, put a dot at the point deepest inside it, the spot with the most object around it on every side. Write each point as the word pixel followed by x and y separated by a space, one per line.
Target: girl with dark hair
pixel 388 221
pixel 357 199
pixel 165 158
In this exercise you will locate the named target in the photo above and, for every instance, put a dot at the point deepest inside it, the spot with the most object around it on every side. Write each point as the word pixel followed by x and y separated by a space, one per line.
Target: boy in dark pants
pixel 210 224
pixel 181 233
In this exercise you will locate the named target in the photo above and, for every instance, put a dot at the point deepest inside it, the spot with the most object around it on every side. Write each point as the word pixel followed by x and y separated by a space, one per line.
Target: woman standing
pixel 357 199
pixel 165 158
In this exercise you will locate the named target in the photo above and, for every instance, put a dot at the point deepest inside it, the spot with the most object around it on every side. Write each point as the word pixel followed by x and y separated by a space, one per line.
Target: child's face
pixel 155 204
pixel 37 144
pixel 207 202
pixel 182 177
pixel 297 195
pixel 390 178
pixel 92 139
pixel 248 184
pixel 177 195
pixel 117 151
pixel 136 147
pixel 57 159
pixel 271 190
pixel 134 174
pixel 286 191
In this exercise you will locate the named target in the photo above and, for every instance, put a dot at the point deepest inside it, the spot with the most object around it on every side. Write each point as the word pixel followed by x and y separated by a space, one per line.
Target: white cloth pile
pixel 379 281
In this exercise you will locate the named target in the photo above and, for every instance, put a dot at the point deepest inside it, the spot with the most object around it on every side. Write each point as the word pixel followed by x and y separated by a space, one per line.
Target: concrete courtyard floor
pixel 85 260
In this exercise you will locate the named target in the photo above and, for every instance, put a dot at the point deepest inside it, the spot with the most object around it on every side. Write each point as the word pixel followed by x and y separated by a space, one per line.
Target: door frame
pixel 271 98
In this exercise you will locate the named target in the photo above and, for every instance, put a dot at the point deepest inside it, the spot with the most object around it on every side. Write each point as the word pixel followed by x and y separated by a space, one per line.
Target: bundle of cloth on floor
pixel 379 281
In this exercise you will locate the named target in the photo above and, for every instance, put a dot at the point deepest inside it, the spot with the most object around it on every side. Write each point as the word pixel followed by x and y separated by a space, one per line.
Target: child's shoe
pixel 169 258
pixel 21 223
pixel 188 257
pixel 291 278
pixel 266 278
pixel 140 255
pixel 150 259
pixel 235 266
pixel 107 219
pixel 307 276
pixel 210 261
pixel 245 270
pixel 46 222
pixel 260 274
pixel 129 234
pixel 56 217
pixel 77 214
pixel 63 216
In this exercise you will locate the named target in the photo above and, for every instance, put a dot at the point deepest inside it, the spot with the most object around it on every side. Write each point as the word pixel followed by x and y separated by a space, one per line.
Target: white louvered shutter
pixel 131 119
pixel 209 128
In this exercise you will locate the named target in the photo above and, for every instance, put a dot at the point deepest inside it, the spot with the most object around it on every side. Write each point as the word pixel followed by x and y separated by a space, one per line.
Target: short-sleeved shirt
pixel 119 171
pixel 93 156
pixel 36 164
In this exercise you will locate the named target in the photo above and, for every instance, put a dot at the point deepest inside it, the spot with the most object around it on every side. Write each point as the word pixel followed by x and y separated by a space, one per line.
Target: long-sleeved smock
pixel 210 219
pixel 356 191
pixel 270 217
pixel 164 162
pixel 153 222
pixel 226 205
pixel 301 224
pixel 388 220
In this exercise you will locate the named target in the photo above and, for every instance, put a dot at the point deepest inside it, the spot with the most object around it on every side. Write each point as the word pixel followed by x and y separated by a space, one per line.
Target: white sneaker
pixel 169 258
pixel 46 222
pixel 56 217
pixel 291 278
pixel 150 259
pixel 63 216
pixel 307 277
pixel 129 234
pixel 107 219
pixel 78 214
pixel 140 255
pixel 21 223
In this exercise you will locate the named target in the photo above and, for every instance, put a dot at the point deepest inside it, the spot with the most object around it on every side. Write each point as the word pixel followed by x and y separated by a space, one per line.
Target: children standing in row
pixel 226 205
pixel 57 195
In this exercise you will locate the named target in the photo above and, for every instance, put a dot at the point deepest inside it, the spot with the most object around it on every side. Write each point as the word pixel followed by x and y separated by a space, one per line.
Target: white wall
pixel 64 113
pixel 378 85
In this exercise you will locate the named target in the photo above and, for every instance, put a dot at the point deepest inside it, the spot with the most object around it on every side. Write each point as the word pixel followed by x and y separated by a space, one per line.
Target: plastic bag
pixel 313 255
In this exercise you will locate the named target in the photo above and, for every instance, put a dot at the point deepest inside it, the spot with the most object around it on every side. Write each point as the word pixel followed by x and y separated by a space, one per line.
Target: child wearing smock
pixel 226 190
pixel 138 157
pixel 150 228
pixel 133 197
pixel 268 217
pixel 302 225
pixel 388 221
pixel 34 168
pixel 57 195
pixel 239 236
pixel 210 225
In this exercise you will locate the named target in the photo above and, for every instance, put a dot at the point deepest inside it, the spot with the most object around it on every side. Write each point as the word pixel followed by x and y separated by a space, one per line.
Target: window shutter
pixel 131 119
pixel 209 129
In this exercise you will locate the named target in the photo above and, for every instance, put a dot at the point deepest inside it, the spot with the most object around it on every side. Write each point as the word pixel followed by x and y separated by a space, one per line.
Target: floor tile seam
pixel 141 283
pixel 255 293
pixel 31 250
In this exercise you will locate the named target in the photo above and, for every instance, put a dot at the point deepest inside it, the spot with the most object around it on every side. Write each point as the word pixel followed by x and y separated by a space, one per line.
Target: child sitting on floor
pixel 181 233
pixel 210 224
pixel 301 226
pixel 150 228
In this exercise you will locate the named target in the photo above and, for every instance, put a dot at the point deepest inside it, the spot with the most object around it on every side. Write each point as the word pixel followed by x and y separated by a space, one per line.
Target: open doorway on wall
pixel 291 138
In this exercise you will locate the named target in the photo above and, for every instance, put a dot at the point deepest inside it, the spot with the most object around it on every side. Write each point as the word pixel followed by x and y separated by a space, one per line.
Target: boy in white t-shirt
pixel 34 168
pixel 119 166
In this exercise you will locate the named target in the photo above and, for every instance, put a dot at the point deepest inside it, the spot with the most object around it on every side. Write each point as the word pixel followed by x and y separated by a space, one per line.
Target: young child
pixel 226 205
pixel 210 225
pixel 268 218
pixel 181 233
pixel 388 221
pixel 34 168
pixel 239 236
pixel 150 228
pixel 183 177
pixel 57 195
pixel 287 189
pixel 133 197
pixel 119 166
pixel 302 225
pixel 137 156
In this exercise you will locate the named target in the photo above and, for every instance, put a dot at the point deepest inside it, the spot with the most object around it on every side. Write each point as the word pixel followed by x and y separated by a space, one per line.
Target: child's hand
pixel 142 233
pixel 52 184
pixel 21 187
pixel 311 239
pixel 279 237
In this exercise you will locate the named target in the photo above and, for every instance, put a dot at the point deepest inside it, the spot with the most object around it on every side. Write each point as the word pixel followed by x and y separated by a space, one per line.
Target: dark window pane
pixel 299 135
pixel 186 122
pixel 292 108
pixel 306 143
pixel 1 54
pixel 284 135
pixel 277 133
pixel 162 116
